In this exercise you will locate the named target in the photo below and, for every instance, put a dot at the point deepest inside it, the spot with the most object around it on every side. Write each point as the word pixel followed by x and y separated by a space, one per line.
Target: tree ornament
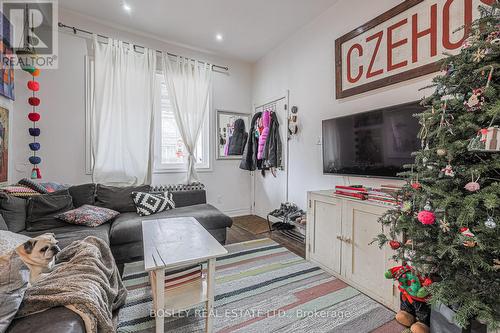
pixel 426 217
pixel 428 206
pixel 448 171
pixel 394 244
pixel 479 55
pixel 407 206
pixel 444 225
pixel 468 237
pixel 473 186
pixel 441 152
pixel 475 101
pixel 490 223
pixel 496 264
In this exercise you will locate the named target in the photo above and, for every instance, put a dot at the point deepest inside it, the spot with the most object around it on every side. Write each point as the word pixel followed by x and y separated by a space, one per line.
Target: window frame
pixel 206 166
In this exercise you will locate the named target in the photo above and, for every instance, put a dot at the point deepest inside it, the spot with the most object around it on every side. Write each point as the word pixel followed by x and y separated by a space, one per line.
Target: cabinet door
pixel 325 231
pixel 364 264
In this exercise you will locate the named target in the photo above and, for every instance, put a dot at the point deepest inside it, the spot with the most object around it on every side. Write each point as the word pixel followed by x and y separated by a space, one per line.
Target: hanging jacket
pixel 238 140
pixel 249 159
pixel 266 122
pixel 273 148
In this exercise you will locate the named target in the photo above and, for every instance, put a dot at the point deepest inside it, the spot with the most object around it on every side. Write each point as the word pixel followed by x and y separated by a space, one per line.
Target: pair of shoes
pixel 409 320
pixel 283 226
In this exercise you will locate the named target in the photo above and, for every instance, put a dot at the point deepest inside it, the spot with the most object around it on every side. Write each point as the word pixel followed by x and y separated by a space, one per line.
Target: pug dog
pixel 39 254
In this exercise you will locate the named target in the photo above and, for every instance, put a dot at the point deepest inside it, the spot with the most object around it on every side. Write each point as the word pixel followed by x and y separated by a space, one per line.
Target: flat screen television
pixel 374 144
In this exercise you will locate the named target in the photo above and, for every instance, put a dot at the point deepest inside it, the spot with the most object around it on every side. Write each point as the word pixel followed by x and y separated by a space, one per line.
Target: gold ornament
pixel 441 152
pixel 479 55
pixel 445 226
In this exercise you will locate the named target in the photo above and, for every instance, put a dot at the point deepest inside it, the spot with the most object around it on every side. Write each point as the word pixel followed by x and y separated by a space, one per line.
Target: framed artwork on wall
pixel 6 68
pixel 232 134
pixel 4 144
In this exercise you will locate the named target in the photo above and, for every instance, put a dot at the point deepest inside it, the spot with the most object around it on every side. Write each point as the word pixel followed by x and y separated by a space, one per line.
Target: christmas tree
pixel 446 226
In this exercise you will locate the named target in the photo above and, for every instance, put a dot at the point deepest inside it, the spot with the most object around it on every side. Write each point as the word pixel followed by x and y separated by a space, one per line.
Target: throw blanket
pixel 85 280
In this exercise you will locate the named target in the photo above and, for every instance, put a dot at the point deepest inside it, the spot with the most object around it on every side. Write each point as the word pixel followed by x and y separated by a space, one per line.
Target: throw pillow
pixel 118 198
pixel 87 215
pixel 150 203
pixel 42 210
pixel 20 191
pixel 33 185
pixel 9 241
pixel 82 194
pixel 13 211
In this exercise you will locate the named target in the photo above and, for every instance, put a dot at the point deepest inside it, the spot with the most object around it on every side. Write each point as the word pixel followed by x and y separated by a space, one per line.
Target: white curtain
pixel 188 83
pixel 122 113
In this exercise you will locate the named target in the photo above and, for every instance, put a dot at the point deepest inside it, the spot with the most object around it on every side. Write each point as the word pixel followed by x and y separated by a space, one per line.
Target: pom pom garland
pixel 33 86
pixel 34 146
pixel 33 116
pixel 34 131
pixel 426 217
pixel 34 101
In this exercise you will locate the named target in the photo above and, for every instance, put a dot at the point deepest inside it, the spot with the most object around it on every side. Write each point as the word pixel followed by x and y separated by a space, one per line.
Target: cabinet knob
pixel 347 240
pixel 340 238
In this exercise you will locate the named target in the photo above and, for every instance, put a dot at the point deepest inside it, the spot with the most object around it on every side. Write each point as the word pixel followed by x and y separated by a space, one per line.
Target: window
pixel 170 154
pixel 170 151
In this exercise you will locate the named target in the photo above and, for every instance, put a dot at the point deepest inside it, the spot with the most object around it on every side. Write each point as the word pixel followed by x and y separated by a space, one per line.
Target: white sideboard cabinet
pixel 339 233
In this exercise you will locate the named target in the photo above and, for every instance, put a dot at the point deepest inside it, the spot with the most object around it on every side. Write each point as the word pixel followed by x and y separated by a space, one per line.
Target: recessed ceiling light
pixel 127 8
pixel 219 37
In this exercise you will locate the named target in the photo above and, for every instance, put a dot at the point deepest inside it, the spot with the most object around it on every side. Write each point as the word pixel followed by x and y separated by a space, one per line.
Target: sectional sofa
pixel 123 234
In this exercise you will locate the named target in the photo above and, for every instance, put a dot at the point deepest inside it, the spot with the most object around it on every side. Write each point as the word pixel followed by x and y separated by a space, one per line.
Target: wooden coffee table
pixel 168 244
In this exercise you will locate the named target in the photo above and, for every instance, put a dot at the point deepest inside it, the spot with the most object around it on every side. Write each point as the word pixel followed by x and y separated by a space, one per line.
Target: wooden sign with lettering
pixel 403 43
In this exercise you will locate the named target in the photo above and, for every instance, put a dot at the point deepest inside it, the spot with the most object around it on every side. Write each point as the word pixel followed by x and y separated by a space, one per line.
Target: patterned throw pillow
pixel 20 191
pixel 151 203
pixel 33 185
pixel 87 215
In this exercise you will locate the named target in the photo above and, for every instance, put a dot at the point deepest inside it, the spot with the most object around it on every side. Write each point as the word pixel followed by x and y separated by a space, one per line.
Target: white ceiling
pixel 250 28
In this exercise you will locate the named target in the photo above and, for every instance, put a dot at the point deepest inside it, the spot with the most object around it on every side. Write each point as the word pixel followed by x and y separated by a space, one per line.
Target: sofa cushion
pixel 152 203
pixel 70 233
pixel 118 198
pixel 3 225
pixel 82 194
pixel 13 211
pixel 42 210
pixel 88 215
pixel 189 198
pixel 127 228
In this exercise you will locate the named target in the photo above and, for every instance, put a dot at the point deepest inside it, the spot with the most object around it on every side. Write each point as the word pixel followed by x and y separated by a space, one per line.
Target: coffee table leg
pixel 210 295
pixel 160 301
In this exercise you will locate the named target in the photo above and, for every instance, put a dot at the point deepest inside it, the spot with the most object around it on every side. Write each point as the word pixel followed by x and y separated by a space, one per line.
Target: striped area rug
pixel 262 287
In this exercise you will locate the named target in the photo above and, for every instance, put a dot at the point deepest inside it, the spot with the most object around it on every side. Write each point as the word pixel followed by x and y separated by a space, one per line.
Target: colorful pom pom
pixel 36 72
pixel 427 218
pixel 35 173
pixel 28 68
pixel 34 146
pixel 34 101
pixel 33 86
pixel 33 116
pixel 35 160
pixel 34 131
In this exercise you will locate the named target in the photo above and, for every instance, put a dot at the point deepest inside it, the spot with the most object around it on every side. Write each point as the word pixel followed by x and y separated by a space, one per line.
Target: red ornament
pixel 33 116
pixel 34 101
pixel 416 185
pixel 426 217
pixel 33 86
pixel 394 244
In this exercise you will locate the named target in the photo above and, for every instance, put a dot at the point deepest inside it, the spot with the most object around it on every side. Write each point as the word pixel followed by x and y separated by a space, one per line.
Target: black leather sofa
pixel 124 235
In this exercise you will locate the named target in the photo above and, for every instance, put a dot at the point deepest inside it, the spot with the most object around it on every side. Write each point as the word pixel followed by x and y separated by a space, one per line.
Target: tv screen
pixel 376 143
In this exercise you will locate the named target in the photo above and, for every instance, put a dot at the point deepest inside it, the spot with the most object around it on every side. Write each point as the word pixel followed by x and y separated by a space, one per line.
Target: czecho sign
pixel 403 43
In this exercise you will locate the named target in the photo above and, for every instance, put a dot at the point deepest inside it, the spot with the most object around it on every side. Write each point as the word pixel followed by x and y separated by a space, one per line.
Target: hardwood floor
pixel 250 227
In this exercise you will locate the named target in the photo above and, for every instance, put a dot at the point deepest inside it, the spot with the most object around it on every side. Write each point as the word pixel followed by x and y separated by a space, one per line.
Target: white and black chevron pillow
pixel 151 203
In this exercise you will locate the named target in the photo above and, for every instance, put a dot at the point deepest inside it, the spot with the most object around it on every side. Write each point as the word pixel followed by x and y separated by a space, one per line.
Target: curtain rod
pixel 75 30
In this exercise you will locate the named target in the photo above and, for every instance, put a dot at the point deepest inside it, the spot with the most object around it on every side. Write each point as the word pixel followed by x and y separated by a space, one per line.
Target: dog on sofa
pixel 39 254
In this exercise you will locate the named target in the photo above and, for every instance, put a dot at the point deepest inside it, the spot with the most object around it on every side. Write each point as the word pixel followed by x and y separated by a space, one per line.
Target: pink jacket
pixel 266 122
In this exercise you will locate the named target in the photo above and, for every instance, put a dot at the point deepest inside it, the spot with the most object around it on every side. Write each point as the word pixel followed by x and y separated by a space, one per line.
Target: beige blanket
pixel 85 280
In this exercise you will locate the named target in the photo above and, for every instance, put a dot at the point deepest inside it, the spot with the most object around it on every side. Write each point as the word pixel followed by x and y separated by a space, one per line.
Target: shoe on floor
pixel 405 318
pixel 419 327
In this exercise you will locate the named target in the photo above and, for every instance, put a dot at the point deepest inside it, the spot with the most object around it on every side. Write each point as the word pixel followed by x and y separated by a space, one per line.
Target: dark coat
pixel 239 138
pixel 249 159
pixel 273 148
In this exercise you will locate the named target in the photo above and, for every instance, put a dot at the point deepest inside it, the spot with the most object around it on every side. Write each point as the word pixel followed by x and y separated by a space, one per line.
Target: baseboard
pixel 237 212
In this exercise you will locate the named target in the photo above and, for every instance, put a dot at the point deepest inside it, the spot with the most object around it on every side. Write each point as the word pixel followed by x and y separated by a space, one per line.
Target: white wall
pixel 63 116
pixel 304 64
